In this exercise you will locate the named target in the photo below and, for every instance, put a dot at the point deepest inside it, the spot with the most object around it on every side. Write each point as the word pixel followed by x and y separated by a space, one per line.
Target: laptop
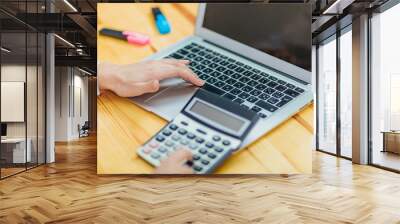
pixel 256 55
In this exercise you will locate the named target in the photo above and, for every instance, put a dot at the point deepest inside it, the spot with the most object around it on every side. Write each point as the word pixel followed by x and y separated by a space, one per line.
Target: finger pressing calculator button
pixel 199 140
pixel 190 136
pixel 216 138
pixel 226 142
pixel 218 149
pixel 196 157
pixel 205 162
pixel 167 132
pixel 176 137
pixel 182 131
pixel 197 168
pixel 173 127
pixel 160 138
pixel 203 151
pixel 209 145
pixel 212 155
pixel 155 155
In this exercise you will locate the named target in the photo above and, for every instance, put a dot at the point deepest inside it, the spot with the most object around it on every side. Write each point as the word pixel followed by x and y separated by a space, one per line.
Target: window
pixel 385 89
pixel 326 136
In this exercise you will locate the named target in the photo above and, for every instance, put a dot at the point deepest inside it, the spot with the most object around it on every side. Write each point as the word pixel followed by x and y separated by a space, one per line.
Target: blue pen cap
pixel 161 22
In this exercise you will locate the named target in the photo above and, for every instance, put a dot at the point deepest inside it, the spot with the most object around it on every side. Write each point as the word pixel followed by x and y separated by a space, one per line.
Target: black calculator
pixel 210 126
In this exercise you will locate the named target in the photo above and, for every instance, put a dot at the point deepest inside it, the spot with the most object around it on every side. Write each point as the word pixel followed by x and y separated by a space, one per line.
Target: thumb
pixel 182 155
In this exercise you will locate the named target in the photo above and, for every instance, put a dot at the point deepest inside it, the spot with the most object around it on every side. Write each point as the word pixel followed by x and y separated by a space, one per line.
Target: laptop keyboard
pixel 253 89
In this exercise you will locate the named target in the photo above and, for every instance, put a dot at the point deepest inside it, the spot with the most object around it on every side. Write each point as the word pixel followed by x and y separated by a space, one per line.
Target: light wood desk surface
pixel 123 126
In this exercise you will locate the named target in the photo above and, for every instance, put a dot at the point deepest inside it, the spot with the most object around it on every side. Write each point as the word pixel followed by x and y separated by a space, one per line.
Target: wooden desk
pixel 123 126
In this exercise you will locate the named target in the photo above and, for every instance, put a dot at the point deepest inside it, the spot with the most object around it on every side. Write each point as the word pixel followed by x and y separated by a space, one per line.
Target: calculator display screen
pixel 218 116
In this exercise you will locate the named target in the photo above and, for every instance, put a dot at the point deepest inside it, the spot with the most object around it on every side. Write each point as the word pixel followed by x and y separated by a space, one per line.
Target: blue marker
pixel 161 22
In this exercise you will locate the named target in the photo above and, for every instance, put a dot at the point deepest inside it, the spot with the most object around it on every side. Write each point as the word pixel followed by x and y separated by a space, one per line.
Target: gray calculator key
pixel 218 149
pixel 199 140
pixel 193 145
pixel 167 132
pixel 173 127
pixel 160 138
pixel 216 138
pixel 176 137
pixel 155 155
pixel 169 143
pixel 205 162
pixel 197 168
pixel 182 131
pixel 212 155
pixel 226 142
pixel 209 145
pixel 190 136
pixel 196 157
pixel 162 150
pixel 203 151
pixel 184 142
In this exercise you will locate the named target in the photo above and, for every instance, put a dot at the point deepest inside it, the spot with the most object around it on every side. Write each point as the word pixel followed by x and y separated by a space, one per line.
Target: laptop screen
pixel 280 30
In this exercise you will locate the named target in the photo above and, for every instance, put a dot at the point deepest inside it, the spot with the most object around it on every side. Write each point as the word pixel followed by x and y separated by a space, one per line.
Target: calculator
pixel 210 126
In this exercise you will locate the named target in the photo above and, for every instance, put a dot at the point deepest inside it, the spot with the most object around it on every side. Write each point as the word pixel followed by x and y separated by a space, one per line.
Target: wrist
pixel 106 72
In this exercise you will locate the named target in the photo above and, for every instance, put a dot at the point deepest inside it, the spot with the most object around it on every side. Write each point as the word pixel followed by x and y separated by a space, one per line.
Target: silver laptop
pixel 257 55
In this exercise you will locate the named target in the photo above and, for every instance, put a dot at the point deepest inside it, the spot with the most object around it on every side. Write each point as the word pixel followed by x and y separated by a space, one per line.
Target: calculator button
pixel 199 140
pixel 205 162
pixel 190 136
pixel 212 155
pixel 218 149
pixel 173 127
pixel 184 123
pixel 176 137
pixel 162 150
pixel 169 143
pixel 203 151
pixel 184 142
pixel 209 145
pixel 147 150
pixel 160 138
pixel 193 146
pixel 197 168
pixel 196 157
pixel 216 138
pixel 226 142
pixel 167 132
pixel 201 131
pixel 153 144
pixel 155 155
pixel 182 131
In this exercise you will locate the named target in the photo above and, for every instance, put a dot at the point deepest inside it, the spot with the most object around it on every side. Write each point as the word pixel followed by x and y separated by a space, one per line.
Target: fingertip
pixel 155 86
pixel 184 61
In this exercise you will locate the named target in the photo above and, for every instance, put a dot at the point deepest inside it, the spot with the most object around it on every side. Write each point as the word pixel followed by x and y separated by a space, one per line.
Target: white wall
pixel 71 93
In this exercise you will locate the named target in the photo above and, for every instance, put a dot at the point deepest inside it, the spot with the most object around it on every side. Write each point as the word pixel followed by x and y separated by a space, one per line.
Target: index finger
pixel 182 155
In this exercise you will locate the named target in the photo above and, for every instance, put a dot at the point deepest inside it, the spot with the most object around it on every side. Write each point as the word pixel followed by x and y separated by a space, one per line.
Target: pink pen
pixel 135 38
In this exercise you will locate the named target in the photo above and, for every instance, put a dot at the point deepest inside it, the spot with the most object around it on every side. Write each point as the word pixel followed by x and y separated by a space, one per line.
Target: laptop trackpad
pixel 169 102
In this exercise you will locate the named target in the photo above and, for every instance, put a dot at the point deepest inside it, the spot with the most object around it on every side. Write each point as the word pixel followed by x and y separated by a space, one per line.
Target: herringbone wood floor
pixel 69 191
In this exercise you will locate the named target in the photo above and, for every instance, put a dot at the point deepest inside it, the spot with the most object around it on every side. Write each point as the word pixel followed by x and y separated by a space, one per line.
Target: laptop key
pixel 252 83
pixel 232 66
pixel 213 89
pixel 272 84
pixel 291 93
pixel 255 92
pixel 252 99
pixel 231 81
pixel 228 72
pixel 266 106
pixel 244 95
pixel 223 77
pixel 300 90
pixel 244 79
pixel 176 56
pixel 224 62
pixel 238 100
pixel 239 85
pixel 255 77
pixel 235 91
pixel 263 80
pixel 239 69
pixel 260 87
pixel 280 88
pixel 255 70
pixel 220 68
pixel 247 88
pixel 272 78
pixel 256 109
pixel 263 96
pixel 287 98
pixel 272 100
pixel 282 103
pixel 236 76
pixel 262 115
pixel 183 52
pixel 290 86
pixel 219 84
pixel 229 96
pixel 227 88
pixel 215 74
pixel 203 77
pixel 281 82
pixel 269 90
pixel 277 94
pixel 212 80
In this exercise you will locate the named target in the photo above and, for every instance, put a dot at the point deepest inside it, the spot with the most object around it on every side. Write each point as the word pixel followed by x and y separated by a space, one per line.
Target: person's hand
pixel 143 77
pixel 176 163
